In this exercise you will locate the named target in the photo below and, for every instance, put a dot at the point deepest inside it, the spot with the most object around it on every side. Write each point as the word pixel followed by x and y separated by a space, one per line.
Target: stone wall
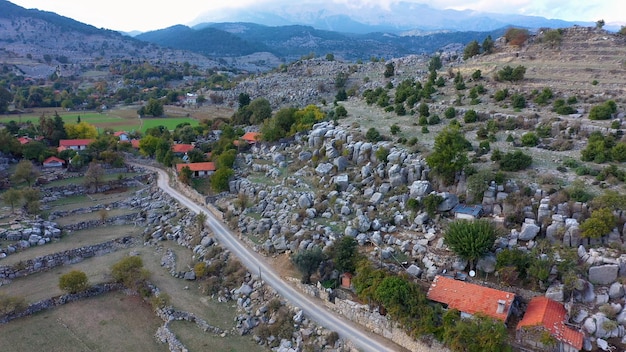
pixel 53 302
pixel 372 320
pixel 126 219
pixel 31 266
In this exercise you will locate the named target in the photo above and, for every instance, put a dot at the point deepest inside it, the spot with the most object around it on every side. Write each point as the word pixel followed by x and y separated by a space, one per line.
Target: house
pixel 182 148
pixel 122 135
pixel 470 299
pixel 75 144
pixel 467 212
pixel 546 315
pixel 53 161
pixel 24 140
pixel 198 169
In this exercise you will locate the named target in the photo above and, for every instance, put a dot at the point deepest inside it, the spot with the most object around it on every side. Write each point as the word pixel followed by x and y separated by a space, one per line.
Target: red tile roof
pixel 119 133
pixel 135 143
pixel 182 148
pixel 551 315
pixel 24 139
pixel 54 159
pixel 74 142
pixel 251 137
pixel 470 298
pixel 205 166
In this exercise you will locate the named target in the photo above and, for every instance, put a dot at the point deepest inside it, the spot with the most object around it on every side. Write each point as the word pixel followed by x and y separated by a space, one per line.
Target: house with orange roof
pixel 182 148
pixel 251 137
pixel 546 315
pixel 123 136
pixel 75 144
pixel 199 169
pixel 470 299
pixel 53 161
pixel 24 140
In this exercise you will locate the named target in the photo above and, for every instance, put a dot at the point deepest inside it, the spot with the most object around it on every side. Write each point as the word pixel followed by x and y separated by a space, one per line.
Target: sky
pixel 145 15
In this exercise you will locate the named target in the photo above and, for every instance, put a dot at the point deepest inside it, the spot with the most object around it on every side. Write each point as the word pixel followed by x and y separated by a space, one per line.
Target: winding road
pixel 255 263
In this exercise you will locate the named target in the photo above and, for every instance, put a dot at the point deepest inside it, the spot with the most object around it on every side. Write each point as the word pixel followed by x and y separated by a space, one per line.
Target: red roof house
pixel 24 140
pixel 122 135
pixel 182 148
pixel 470 299
pixel 53 161
pixel 198 169
pixel 76 144
pixel 251 137
pixel 544 314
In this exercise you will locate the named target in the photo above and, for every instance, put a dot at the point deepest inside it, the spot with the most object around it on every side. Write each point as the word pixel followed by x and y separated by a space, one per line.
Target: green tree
pixel 449 154
pixel 25 172
pixel 345 254
pixel 73 282
pixel 11 304
pixel 12 197
pixel 470 116
pixel 434 63
pixel 508 73
pixel 394 129
pixel 381 154
pixel 35 150
pixel 600 24
pixel 472 49
pixel 603 111
pixel 6 98
pixel 81 130
pixel 470 239
pixel 219 179
pixel 185 175
pixel 488 45
pixel 154 107
pixel 450 112
pixel 530 139
pixel 340 111
pixel 423 110
pixel 243 99
pixel 389 70
pixel 308 262
pixel 553 37
pixel 260 110
pixel 478 334
pixel 94 176
pixel 601 223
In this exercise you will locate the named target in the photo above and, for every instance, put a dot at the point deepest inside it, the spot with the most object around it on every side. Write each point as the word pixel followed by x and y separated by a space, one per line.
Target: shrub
pixel 518 101
pixel 130 272
pixel 11 304
pixel 511 74
pixel 372 135
pixel 530 139
pixel 73 282
pixel 516 36
pixel 470 116
pixel 394 129
pixel 470 239
pixel 603 111
pixel 450 113
pixel 501 94
pixel 515 161
pixel 382 154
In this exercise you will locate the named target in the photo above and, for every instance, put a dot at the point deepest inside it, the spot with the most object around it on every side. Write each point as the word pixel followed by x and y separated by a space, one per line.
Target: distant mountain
pixel 29 37
pixel 294 41
pixel 398 17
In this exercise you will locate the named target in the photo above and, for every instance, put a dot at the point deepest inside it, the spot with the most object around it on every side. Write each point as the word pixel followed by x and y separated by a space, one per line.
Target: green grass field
pixel 117 120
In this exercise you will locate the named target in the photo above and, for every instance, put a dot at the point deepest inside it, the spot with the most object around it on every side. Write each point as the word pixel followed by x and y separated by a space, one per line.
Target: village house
pixel 544 328
pixel 470 299
pixel 467 212
pixel 182 148
pixel 198 169
pixel 123 136
pixel 53 162
pixel 74 144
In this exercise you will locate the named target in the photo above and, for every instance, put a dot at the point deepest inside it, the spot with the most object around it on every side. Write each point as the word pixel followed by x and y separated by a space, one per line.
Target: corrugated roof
pixel 205 166
pixel 470 298
pixel 551 315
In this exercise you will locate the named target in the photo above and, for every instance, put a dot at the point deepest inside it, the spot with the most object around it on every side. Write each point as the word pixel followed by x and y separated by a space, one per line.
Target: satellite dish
pixel 472 273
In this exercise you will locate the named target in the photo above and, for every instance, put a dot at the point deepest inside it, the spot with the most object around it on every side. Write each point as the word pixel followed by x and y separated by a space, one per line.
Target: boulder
pixel 305 156
pixel 616 290
pixel 487 263
pixel 555 292
pixel 414 270
pixel 305 201
pixel 190 275
pixel 450 201
pixel 324 169
pixel 529 230
pixel 421 219
pixel 362 223
pixel 603 274
pixel 420 189
pixel 341 163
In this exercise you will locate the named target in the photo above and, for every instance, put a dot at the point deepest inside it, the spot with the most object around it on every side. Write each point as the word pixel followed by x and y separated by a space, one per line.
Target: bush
pixel 11 304
pixel 219 179
pixel 372 135
pixel 73 282
pixel 470 239
pixel 516 36
pixel 470 116
pixel 530 139
pixel 130 272
pixel 515 161
pixel 501 94
pixel 604 111
pixel 450 113
pixel 511 74
pixel 518 101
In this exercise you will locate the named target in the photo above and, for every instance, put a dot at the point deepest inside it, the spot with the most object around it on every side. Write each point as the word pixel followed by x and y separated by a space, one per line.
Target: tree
pixel 185 175
pixel 308 261
pixel 553 37
pixel 508 73
pixel 219 179
pixel 450 112
pixel 81 130
pixel 472 49
pixel 530 139
pixel 601 223
pixel 94 175
pixel 260 110
pixel 449 154
pixel 389 70
pixel 73 282
pixel 516 36
pixel 423 110
pixel 603 111
pixel 488 45
pixel 6 97
pixel 154 107
pixel 434 63
pixel 26 171
pixel 470 116
pixel 600 24
pixel 478 334
pixel 345 254
pixel 470 239
pixel 35 150
pixel 32 198
pixel 340 111
pixel 330 57
pixel 12 197
pixel 243 99
pixel 130 272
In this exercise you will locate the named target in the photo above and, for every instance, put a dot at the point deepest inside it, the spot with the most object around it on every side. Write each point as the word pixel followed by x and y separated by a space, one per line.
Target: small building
pixel 182 148
pixel 198 169
pixel 470 299
pixel 123 136
pixel 24 140
pixel 346 280
pixel 545 316
pixel 468 212
pixel 74 144
pixel 53 161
